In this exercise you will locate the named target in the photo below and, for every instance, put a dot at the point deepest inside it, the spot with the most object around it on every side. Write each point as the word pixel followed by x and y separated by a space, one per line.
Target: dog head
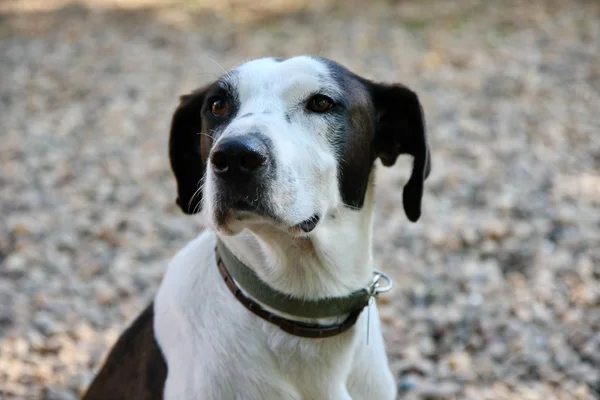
pixel 286 142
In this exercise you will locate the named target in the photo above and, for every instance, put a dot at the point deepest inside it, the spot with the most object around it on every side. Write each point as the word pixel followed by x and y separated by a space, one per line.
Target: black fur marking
pixel 135 368
pixel 381 121
pixel 401 130
pixel 353 136
pixel 185 150
pixel 193 130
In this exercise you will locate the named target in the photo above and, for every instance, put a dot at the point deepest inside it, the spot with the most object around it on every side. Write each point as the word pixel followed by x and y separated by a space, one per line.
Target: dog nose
pixel 239 158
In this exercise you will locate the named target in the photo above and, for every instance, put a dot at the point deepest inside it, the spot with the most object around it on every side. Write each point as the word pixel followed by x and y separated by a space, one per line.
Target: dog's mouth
pixel 252 213
pixel 310 224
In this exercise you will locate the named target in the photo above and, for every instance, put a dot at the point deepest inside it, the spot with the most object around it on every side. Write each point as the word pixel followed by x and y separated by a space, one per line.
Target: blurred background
pixel 497 287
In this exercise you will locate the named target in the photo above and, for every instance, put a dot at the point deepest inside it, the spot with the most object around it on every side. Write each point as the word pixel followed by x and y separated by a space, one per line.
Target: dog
pixel 273 301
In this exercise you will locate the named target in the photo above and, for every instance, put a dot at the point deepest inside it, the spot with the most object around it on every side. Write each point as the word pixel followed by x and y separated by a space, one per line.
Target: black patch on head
pixel 193 130
pixel 352 140
pixel 378 121
pixel 288 118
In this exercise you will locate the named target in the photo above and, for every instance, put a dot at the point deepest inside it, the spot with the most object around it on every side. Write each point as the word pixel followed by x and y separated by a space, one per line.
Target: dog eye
pixel 219 107
pixel 319 103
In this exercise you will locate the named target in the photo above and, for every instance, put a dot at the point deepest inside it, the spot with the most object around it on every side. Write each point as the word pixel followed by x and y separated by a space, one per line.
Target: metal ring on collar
pixel 375 285
pixel 377 288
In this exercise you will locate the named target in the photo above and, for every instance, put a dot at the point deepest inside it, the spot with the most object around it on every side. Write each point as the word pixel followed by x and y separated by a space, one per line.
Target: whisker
pixel 196 193
pixel 206 134
pixel 322 48
pixel 210 59
pixel 197 207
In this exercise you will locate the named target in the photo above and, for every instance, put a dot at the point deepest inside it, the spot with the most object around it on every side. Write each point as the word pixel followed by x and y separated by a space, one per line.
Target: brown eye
pixel 219 107
pixel 320 103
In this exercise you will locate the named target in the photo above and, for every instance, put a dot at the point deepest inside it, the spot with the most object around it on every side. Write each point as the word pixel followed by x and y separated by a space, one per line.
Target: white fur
pixel 214 347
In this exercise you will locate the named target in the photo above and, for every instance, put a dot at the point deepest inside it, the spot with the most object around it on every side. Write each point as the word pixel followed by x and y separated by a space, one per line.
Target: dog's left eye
pixel 319 103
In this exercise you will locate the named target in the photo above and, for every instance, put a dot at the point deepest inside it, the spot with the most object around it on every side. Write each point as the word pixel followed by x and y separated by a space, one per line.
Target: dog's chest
pixel 231 354
pixel 253 370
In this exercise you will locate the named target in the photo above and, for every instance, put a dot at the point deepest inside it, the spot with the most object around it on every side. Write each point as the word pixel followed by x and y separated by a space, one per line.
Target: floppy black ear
pixel 188 150
pixel 400 129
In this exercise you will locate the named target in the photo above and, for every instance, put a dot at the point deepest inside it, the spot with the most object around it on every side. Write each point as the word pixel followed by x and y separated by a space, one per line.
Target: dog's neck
pixel 333 261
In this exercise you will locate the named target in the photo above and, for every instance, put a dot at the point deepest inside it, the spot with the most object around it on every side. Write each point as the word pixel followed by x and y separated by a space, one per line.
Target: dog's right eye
pixel 219 107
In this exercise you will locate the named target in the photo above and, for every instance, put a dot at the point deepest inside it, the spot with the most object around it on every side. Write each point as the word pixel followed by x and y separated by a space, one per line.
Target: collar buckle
pixel 375 286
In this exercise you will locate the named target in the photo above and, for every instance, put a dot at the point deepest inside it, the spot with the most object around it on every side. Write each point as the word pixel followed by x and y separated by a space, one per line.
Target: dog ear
pixel 400 129
pixel 188 150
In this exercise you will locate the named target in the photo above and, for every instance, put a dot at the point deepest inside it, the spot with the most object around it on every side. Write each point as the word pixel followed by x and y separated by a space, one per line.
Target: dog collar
pixel 236 274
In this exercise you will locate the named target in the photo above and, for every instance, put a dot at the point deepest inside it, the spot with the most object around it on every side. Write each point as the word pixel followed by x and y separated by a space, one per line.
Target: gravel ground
pixel 497 290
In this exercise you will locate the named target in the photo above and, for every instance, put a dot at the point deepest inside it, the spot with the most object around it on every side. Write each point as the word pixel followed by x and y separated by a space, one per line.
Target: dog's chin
pixel 223 221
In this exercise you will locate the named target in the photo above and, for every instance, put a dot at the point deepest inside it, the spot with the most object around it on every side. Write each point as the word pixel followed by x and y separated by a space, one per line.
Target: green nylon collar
pixel 320 308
